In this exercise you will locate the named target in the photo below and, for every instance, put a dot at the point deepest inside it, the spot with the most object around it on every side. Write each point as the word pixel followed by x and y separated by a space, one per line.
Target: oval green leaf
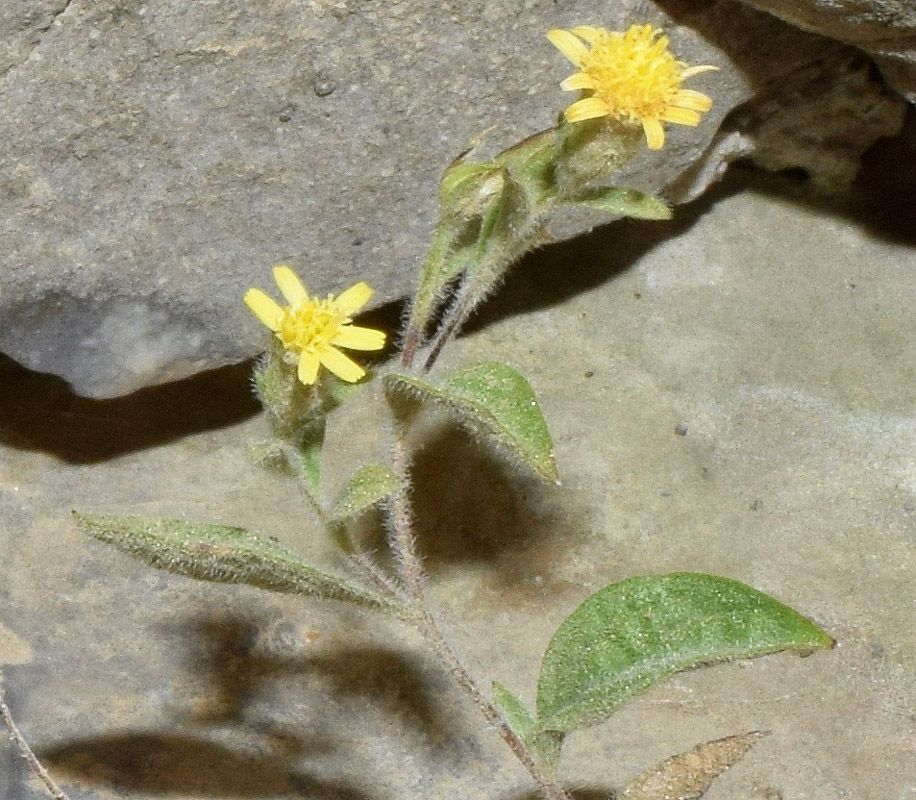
pixel 370 485
pixel 495 400
pixel 630 635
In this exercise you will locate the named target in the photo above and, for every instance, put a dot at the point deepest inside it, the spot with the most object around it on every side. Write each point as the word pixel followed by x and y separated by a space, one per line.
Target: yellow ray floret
pixel 630 76
pixel 313 329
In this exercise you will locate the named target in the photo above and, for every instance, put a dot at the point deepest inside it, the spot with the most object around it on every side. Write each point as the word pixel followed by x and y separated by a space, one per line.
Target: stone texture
pixel 885 29
pixel 730 392
pixel 816 106
pixel 160 157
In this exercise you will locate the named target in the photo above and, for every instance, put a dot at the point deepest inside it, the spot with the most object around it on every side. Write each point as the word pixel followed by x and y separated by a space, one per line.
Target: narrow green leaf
pixel 623 203
pixel 370 485
pixel 493 399
pixel 223 554
pixel 336 391
pixel 504 228
pixel 467 187
pixel 545 744
pixel 632 634
pixel 440 268
pixel 514 711
pixel 309 463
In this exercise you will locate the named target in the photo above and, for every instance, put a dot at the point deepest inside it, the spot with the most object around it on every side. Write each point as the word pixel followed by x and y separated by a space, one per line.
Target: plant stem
pixel 26 752
pixel 370 570
pixel 403 546
pixel 455 317
pixel 551 790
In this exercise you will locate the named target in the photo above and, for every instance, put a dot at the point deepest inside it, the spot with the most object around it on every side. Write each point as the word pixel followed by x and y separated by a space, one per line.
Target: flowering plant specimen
pixel 625 637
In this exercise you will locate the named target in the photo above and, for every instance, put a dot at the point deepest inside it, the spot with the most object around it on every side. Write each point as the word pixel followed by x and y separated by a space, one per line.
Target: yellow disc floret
pixel 630 76
pixel 311 330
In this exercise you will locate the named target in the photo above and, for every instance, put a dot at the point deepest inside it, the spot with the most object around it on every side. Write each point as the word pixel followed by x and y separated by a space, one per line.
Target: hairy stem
pixel 455 318
pixel 369 569
pixel 401 538
pixel 26 752
pixel 403 545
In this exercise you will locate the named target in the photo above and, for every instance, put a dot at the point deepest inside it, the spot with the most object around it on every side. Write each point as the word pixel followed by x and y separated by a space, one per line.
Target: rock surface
pixel 885 29
pixel 160 157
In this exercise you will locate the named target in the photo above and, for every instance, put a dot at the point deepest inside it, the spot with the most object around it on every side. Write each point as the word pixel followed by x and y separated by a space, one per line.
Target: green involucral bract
pixel 630 635
pixel 623 203
pixel 491 399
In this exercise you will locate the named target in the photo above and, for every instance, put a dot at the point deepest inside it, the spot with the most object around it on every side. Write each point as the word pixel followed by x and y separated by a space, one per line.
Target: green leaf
pixel 467 187
pixel 489 214
pixel 335 391
pixel 223 554
pixel 370 485
pixel 494 399
pixel 546 745
pixel 632 634
pixel 514 711
pixel 504 229
pixel 309 463
pixel 623 202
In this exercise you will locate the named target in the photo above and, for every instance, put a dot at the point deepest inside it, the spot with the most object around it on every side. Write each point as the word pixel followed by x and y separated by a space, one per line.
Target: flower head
pixel 631 77
pixel 313 329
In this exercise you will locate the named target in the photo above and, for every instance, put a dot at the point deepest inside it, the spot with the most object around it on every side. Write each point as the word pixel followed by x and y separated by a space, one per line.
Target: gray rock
pixel 815 104
pixel 160 158
pixel 885 29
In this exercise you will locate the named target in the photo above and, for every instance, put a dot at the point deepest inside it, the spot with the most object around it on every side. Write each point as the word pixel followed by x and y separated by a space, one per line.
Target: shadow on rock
pixel 242 658
pixel 480 507
pixel 880 202
pixel 183 765
pixel 225 745
pixel 40 412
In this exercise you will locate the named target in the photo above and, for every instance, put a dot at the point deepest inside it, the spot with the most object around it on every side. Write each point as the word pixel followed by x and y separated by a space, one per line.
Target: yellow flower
pixel 313 329
pixel 631 77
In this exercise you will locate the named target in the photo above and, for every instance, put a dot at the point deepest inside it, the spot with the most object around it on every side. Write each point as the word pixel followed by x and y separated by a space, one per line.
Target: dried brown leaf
pixel 688 775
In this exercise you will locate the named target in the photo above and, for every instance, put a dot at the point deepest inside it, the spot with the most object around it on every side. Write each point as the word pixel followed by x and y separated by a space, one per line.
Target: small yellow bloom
pixel 631 77
pixel 313 329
